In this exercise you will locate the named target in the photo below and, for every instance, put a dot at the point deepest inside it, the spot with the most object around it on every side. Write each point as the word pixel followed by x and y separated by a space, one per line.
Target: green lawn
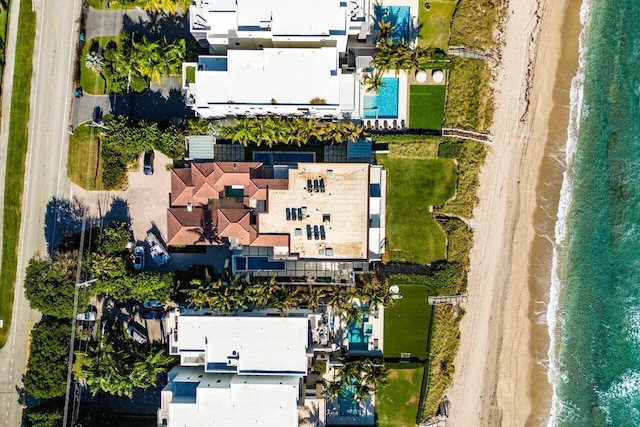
pixel 435 23
pixel 406 323
pixel 4 17
pixel 115 4
pixel 426 106
pixel 91 82
pixel 16 155
pixel 413 185
pixel 84 165
pixel 397 402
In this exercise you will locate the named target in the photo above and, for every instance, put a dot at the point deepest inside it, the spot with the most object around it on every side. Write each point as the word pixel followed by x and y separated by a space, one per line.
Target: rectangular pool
pixel 252 263
pixel 400 19
pixel 384 105
pixel 269 158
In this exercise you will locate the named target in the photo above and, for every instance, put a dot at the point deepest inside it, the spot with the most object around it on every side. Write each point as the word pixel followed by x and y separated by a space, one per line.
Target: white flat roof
pixel 263 345
pixel 345 201
pixel 231 400
pixel 284 76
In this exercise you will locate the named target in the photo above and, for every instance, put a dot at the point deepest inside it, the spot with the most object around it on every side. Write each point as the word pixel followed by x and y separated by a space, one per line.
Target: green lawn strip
pixel 4 19
pixel 91 82
pixel 397 402
pixel 470 98
pixel 435 23
pixel 406 324
pixel 413 185
pixel 115 4
pixel 426 106
pixel 16 156
pixel 84 164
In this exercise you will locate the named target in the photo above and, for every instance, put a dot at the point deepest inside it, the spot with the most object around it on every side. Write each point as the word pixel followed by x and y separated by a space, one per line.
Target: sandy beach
pixel 500 376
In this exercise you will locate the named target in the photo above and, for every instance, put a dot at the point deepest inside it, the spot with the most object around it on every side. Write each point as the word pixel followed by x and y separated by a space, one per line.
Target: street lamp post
pixel 71 346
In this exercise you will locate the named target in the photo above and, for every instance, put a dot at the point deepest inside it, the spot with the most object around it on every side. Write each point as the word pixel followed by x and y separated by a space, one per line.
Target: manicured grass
pixel 115 4
pixel 413 185
pixel 84 164
pixel 91 82
pixel 16 155
pixel 397 402
pixel 191 74
pixel 426 106
pixel 435 23
pixel 406 323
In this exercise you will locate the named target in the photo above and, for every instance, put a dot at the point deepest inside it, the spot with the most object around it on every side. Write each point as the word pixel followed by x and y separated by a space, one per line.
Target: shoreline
pixel 499 378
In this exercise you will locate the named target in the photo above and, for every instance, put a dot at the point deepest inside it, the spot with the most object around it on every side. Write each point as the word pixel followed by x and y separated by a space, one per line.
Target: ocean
pixel 594 309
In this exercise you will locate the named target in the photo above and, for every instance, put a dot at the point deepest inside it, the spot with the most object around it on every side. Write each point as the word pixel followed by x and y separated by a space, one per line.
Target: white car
pixel 138 258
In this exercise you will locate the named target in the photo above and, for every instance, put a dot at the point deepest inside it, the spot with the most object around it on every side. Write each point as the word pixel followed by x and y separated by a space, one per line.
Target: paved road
pixel 56 35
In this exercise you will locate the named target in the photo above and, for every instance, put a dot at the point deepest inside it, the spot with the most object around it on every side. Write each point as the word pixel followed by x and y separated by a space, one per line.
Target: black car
pixel 148 162
pixel 97 115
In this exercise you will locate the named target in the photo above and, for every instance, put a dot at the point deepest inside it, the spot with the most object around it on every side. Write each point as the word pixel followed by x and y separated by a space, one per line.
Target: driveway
pixel 143 203
pixel 160 102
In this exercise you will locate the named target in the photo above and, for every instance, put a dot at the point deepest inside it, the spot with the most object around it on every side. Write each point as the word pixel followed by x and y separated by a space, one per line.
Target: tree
pixel 166 6
pixel 314 298
pixel 385 28
pixel 94 62
pixel 46 375
pixel 48 414
pixel 49 285
pixel 115 238
pixel 373 81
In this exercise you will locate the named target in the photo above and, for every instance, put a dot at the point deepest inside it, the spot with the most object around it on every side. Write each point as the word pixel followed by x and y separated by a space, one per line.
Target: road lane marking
pixel 57 22
pixel 53 79
pixel 41 197
pixel 46 140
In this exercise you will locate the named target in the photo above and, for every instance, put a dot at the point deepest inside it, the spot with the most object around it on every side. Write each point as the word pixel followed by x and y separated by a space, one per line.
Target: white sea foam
pixel 577 111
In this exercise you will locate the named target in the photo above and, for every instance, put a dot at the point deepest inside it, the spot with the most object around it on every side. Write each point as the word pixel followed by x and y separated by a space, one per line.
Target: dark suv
pixel 148 162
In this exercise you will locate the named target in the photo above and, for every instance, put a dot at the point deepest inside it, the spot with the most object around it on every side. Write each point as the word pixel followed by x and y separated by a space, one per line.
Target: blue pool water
pixel 348 405
pixel 358 341
pixel 283 157
pixel 384 105
pixel 399 17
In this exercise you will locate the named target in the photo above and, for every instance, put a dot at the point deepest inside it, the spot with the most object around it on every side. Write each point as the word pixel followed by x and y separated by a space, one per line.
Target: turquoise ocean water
pixel 594 313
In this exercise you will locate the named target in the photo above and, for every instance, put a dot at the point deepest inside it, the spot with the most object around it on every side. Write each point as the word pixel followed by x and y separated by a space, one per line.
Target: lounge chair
pixel 293 214
pixel 322 233
pixel 316 185
pixel 395 124
pixel 288 211
pixel 376 125
pixel 308 232
pixel 300 214
pixel 309 189
pixel 322 185
pixel 385 126
pixel 316 233
pixel 403 125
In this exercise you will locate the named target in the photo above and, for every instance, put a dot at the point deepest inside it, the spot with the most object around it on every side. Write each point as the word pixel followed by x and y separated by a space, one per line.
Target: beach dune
pixel 500 376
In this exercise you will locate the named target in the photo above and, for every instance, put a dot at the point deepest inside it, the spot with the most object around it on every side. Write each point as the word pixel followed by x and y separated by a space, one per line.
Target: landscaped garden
pixel 406 323
pixel 397 402
pixel 426 106
pixel 413 186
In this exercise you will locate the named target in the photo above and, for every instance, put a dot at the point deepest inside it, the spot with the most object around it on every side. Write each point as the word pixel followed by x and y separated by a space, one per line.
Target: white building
pixel 235 371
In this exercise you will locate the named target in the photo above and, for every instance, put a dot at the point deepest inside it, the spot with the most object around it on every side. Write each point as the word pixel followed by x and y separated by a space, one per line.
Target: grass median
pixel 16 156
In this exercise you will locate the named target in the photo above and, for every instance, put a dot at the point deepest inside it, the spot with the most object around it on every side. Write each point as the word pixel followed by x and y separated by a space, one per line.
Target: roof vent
pixel 189 207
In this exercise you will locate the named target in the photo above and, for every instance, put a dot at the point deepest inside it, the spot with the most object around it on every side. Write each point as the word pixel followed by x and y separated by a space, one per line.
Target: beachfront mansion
pixel 302 58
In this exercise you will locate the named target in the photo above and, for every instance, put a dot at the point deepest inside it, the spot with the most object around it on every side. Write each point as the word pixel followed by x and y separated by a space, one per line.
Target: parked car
pixel 90 315
pixel 148 162
pixel 78 93
pixel 97 115
pixel 151 304
pixel 136 335
pixel 153 315
pixel 138 258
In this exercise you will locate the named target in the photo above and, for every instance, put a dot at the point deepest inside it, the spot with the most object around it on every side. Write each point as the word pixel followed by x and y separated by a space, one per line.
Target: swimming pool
pixel 284 157
pixel 384 105
pixel 358 340
pixel 252 263
pixel 399 17
pixel 348 405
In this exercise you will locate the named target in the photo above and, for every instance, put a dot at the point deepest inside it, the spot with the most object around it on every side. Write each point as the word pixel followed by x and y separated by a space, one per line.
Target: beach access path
pixel 492 381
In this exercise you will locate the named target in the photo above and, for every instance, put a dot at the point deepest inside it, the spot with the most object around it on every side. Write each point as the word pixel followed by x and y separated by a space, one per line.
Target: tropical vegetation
pixel 469 31
pixel 361 376
pixel 116 366
pixel 46 375
pixel 272 130
pixel 128 65
pixel 169 7
pixel 47 414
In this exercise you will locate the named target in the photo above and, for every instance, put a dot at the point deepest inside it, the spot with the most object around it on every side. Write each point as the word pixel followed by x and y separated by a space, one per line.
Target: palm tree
pixel 385 28
pixel 197 127
pixel 314 297
pixel 162 6
pixel 374 81
pixel 352 314
pixel 337 296
pixel 333 389
pixel 94 62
